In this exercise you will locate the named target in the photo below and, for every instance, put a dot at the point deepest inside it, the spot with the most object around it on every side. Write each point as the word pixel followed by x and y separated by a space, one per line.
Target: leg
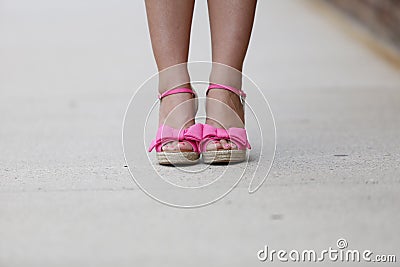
pixel 169 25
pixel 231 23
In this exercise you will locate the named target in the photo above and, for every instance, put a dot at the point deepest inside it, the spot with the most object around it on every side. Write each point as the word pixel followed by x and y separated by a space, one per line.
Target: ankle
pixel 174 77
pixel 226 75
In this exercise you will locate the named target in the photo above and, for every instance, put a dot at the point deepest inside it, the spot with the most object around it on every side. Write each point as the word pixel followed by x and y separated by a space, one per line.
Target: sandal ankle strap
pixel 176 91
pixel 229 88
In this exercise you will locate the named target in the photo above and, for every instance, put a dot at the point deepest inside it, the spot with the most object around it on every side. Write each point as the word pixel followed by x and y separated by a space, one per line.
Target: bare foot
pixel 224 110
pixel 177 111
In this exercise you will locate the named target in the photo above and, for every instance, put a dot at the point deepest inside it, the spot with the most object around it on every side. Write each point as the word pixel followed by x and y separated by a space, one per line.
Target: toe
pixel 225 144
pixel 233 145
pixel 184 146
pixel 213 145
pixel 170 147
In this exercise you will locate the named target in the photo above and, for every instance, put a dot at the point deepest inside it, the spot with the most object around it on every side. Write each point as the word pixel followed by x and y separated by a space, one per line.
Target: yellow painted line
pixel 352 28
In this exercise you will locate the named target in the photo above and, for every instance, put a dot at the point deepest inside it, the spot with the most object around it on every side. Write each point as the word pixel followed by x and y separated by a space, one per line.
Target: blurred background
pixel 380 17
pixel 330 70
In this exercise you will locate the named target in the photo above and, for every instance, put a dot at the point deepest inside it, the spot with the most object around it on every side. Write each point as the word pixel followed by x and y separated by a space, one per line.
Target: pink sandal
pixel 166 134
pixel 238 136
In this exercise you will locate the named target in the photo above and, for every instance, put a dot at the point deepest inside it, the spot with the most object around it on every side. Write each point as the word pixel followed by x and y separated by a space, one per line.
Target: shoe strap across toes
pixel 166 134
pixel 238 136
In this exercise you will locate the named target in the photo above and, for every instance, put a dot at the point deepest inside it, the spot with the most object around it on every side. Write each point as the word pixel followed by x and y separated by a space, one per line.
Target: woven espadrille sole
pixel 177 158
pixel 224 156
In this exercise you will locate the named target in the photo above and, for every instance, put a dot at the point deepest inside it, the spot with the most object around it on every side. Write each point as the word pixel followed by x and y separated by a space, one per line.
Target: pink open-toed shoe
pixel 166 134
pixel 238 136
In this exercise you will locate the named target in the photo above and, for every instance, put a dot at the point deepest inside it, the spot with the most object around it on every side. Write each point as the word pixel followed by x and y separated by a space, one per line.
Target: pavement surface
pixel 67 72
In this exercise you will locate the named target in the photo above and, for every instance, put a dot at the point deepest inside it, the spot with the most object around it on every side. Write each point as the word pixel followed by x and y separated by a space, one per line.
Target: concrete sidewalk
pixel 67 72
